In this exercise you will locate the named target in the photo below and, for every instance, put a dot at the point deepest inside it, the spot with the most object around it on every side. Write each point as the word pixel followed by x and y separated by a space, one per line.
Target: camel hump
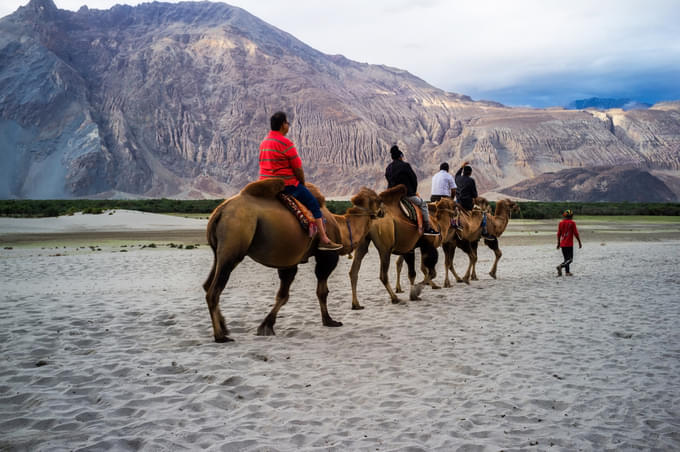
pixel 394 194
pixel 266 188
pixel 314 190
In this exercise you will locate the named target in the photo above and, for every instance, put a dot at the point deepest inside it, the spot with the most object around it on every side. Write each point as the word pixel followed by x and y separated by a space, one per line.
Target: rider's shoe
pixel 330 246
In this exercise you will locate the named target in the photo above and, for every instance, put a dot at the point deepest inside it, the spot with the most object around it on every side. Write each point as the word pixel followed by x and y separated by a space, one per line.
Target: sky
pixel 537 53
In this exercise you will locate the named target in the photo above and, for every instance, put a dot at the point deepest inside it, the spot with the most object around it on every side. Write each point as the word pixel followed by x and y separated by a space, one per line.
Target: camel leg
pixel 325 264
pixel 220 277
pixel 359 254
pixel 448 262
pixel 384 268
pixel 286 276
pixel 493 244
pixel 428 264
pixel 452 249
pixel 472 256
pixel 475 247
pixel 399 264
pixel 410 259
pixel 227 255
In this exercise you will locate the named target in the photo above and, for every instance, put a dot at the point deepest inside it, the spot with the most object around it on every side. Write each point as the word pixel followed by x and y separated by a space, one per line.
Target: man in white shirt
pixel 443 184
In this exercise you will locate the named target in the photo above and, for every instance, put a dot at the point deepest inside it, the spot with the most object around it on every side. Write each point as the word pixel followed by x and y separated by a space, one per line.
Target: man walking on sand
pixel 279 158
pixel 566 231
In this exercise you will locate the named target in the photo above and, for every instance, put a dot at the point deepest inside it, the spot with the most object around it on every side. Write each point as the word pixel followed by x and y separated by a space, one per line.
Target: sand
pixel 113 349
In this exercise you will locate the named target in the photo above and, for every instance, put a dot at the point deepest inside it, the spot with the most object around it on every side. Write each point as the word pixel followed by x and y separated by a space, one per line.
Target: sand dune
pixel 111 350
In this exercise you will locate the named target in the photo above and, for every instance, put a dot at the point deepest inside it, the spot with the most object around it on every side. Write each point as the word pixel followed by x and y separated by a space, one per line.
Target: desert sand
pixel 106 344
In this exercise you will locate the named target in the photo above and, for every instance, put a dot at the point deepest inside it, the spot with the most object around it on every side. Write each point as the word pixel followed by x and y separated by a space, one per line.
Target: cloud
pixel 487 46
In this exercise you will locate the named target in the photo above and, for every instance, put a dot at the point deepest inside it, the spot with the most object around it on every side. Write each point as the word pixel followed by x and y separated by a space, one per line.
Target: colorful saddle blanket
pixel 302 213
pixel 412 212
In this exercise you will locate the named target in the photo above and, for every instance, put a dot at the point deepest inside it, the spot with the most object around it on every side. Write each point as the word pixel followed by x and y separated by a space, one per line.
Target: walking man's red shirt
pixel 278 157
pixel 566 231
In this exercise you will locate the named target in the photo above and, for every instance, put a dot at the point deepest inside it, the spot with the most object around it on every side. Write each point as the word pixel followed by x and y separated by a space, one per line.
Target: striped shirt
pixel 278 157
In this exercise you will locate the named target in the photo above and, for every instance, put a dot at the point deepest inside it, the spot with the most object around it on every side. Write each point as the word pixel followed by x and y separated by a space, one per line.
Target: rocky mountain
pixel 613 184
pixel 173 99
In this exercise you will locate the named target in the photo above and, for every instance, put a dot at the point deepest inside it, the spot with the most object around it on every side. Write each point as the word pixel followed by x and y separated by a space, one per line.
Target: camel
pixel 496 225
pixel 441 215
pixel 254 223
pixel 392 234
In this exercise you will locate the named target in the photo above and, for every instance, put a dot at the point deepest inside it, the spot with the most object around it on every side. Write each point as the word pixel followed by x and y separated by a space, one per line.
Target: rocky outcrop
pixel 594 185
pixel 173 99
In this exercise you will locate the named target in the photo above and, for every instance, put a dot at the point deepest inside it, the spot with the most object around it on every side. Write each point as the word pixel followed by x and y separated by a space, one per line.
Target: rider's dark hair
pixel 467 170
pixel 277 120
pixel 444 166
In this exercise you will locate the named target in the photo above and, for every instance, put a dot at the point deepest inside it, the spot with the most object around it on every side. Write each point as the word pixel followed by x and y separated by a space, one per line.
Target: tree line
pixel 529 210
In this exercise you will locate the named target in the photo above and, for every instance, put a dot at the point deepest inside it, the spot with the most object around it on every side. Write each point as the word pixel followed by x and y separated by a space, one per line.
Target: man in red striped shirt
pixel 279 158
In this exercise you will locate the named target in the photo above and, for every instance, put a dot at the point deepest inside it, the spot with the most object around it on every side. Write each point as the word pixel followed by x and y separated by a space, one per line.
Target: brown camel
pixel 393 234
pixel 442 213
pixel 496 225
pixel 254 223
pixel 471 223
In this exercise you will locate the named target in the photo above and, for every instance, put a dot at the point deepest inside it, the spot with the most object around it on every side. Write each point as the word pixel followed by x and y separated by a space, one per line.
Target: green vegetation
pixel 203 207
pixel 58 207
pixel 546 210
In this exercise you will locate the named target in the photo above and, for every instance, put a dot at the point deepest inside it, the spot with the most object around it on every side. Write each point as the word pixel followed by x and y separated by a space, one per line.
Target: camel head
pixel 507 205
pixel 367 201
pixel 444 205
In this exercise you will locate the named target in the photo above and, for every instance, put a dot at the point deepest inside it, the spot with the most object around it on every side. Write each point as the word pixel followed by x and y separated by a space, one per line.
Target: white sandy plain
pixel 113 350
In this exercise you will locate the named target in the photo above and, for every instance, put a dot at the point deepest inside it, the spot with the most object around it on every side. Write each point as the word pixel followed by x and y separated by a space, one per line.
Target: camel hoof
pixel 493 275
pixel 435 286
pixel 357 307
pixel 331 323
pixel 265 331
pixel 447 285
pixel 223 339
pixel 399 290
pixel 415 292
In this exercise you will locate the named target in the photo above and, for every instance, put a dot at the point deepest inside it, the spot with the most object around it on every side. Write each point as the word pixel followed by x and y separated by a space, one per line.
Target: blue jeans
pixel 302 194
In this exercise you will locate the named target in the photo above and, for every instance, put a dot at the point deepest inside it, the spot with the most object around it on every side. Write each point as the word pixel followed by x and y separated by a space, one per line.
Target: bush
pixel 529 210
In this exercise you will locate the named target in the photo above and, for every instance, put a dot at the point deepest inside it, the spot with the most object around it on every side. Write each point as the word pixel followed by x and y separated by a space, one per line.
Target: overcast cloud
pixel 520 52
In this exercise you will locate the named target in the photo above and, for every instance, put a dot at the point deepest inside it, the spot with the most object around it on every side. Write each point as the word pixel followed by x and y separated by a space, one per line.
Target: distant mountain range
pixel 606 104
pixel 172 100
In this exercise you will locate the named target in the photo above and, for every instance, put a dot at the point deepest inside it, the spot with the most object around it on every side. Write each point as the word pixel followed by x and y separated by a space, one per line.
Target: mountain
pixel 613 184
pixel 606 104
pixel 173 99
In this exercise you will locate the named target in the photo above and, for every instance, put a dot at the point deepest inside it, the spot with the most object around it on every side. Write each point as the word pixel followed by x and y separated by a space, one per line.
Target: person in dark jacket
pixel 400 172
pixel 466 190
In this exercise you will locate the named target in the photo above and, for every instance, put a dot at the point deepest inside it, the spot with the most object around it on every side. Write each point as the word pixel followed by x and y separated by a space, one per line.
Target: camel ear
pixel 359 199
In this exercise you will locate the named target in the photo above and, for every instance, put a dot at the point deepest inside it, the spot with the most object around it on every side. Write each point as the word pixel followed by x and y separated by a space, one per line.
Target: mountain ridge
pixel 172 100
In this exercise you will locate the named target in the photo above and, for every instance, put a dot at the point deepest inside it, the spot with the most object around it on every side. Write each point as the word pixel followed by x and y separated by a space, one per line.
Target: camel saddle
pixel 412 212
pixel 302 213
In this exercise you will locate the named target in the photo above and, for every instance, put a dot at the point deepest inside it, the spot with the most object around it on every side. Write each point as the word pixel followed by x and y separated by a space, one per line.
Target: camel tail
pixel 212 241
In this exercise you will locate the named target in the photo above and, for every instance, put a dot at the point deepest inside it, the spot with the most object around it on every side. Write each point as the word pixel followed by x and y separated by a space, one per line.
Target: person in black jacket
pixel 467 189
pixel 400 172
